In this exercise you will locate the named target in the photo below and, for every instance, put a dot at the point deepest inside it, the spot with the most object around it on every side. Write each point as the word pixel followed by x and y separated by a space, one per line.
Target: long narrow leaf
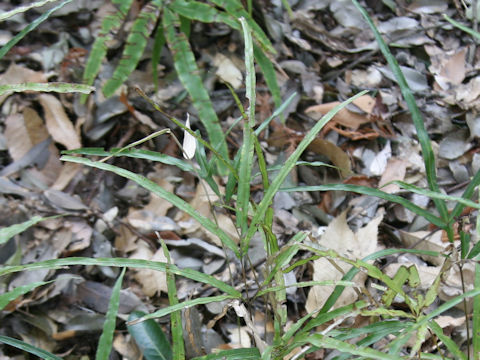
pixel 247 150
pixel 462 27
pixel 237 11
pixel 9 296
pixel 24 8
pixel 178 345
pixel 164 194
pixel 269 75
pixel 8 232
pixel 136 42
pixel 322 341
pixel 184 305
pixel 373 192
pixel 188 73
pixel 121 262
pixel 58 87
pixel 203 12
pixel 233 354
pixel 467 194
pixel 6 48
pixel 417 118
pixel 436 195
pixel 447 340
pixel 106 339
pixel 43 354
pixel 289 164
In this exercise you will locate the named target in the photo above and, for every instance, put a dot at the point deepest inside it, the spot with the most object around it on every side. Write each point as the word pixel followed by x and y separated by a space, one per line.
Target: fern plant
pixel 169 22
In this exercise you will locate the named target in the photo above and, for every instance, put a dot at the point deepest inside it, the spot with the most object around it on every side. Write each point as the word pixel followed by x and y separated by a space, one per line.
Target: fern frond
pixel 136 42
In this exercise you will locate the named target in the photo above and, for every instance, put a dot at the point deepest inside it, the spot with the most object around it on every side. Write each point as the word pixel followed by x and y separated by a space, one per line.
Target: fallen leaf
pixel 339 237
pixel 58 124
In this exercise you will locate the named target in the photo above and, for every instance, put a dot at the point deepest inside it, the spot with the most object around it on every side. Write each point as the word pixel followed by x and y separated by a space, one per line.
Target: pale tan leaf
pixel 58 124
pixel 152 282
pixel 339 237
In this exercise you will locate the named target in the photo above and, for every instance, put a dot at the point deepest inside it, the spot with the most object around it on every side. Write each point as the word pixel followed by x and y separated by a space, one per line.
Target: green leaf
pixel 374 192
pixel 247 149
pixel 58 87
pixel 447 340
pixel 417 118
pixel 235 9
pixel 9 296
pixel 323 341
pixel 282 174
pixel 436 195
pixel 43 354
pixel 6 48
pixel 206 13
pixel 176 316
pixel 122 262
pixel 462 27
pixel 134 153
pixel 106 339
pixel 158 190
pixel 8 232
pixel 150 338
pixel 136 42
pixel 188 73
pixel 233 354
pixel 186 304
pixel 24 8
pixel 99 49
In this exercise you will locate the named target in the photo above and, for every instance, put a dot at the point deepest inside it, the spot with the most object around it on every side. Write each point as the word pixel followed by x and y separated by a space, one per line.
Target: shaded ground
pixel 326 53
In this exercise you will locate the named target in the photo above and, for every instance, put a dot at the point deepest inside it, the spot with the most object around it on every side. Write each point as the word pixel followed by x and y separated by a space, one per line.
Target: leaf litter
pixel 325 52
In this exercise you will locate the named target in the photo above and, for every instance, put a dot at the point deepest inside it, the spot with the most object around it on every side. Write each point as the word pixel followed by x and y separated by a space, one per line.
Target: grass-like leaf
pixel 121 262
pixel 447 340
pixel 247 150
pixel 136 42
pixel 58 87
pixel 22 345
pixel 422 134
pixel 183 305
pixel 106 339
pixel 164 194
pixel 462 27
pixel 364 190
pixel 134 153
pixel 9 296
pixel 289 164
pixel 269 74
pixel 8 232
pixel 6 48
pixel 178 345
pixel 188 73
pixel 236 10
pixel 233 354
pixel 99 48
pixel 150 338
pixel 436 195
pixel 322 341
pixel 24 8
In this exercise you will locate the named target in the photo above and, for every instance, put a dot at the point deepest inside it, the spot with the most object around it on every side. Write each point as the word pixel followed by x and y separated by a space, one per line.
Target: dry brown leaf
pixel 422 241
pixel 58 124
pixel 151 281
pixel 337 156
pixel 339 237
pixel 344 117
pixel 395 170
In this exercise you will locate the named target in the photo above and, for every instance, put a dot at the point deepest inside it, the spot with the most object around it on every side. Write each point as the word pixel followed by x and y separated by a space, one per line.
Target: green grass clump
pixel 416 320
